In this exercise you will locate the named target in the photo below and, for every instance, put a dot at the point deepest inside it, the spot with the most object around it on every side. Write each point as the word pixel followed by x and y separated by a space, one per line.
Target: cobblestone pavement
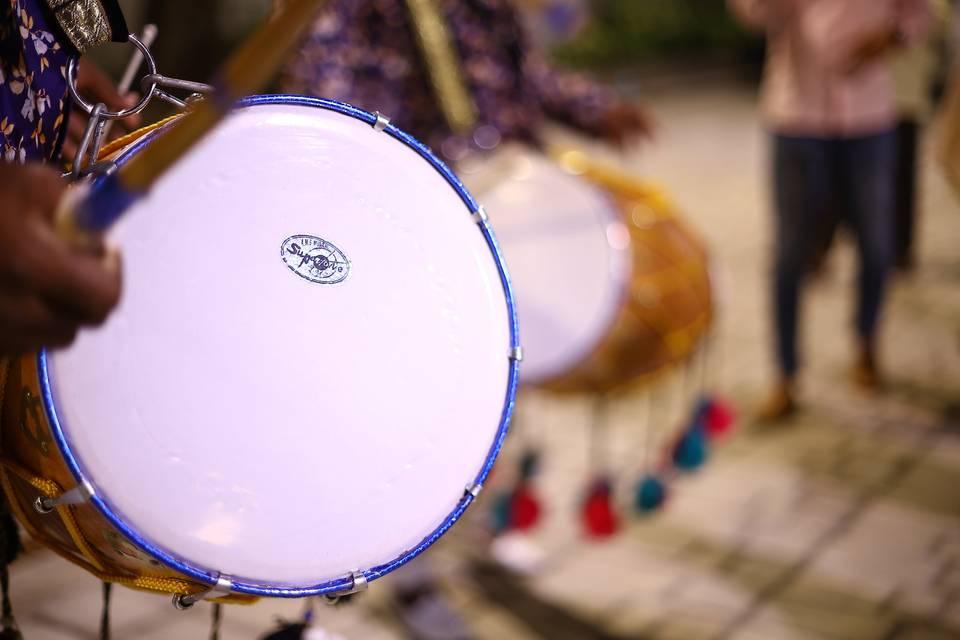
pixel 843 524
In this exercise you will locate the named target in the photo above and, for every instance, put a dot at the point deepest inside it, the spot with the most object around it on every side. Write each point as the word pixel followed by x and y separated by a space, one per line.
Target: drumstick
pixel 248 69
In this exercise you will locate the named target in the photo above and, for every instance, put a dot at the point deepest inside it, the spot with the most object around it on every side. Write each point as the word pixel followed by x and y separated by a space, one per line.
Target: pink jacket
pixel 808 89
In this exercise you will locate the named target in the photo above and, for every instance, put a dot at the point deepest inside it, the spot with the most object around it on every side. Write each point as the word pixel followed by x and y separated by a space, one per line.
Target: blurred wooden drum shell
pixel 613 287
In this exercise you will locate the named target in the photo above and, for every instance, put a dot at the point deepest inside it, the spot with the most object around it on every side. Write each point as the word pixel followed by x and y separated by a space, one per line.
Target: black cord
pixel 105 616
pixel 5 587
pixel 215 623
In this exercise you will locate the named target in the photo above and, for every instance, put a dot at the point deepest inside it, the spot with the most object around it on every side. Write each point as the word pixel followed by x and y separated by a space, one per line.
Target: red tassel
pixel 720 418
pixel 599 518
pixel 524 508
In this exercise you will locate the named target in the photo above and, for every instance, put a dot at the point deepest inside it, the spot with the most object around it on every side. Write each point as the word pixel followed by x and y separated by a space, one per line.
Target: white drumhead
pixel 568 251
pixel 255 410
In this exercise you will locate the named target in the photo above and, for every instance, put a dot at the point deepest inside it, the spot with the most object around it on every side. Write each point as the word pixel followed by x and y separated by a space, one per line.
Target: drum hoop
pixel 470 493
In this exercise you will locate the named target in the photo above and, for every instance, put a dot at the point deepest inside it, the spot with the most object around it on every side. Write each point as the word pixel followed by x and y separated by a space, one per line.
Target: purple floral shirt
pixel 33 86
pixel 364 52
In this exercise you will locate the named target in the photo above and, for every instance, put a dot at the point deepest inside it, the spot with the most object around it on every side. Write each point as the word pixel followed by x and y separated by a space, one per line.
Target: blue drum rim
pixel 345 583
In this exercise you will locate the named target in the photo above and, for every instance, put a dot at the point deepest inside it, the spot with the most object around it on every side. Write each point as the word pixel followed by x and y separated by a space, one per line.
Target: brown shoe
pixel 866 374
pixel 780 404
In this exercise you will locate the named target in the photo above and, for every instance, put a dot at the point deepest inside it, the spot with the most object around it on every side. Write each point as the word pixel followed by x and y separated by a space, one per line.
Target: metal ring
pixel 114 115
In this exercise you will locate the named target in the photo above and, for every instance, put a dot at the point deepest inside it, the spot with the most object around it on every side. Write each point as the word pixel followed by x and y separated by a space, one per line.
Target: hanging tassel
pixel 691 451
pixel 500 512
pixel 524 504
pixel 524 508
pixel 599 517
pixel 105 615
pixel 651 494
pixel 215 621
pixel 529 464
pixel 719 417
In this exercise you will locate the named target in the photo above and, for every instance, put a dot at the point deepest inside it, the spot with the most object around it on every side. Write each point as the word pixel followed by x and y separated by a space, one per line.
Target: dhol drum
pixel 613 288
pixel 305 384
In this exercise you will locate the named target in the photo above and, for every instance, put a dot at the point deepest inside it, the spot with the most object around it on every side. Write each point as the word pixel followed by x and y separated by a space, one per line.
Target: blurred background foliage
pixel 623 33
pixel 609 34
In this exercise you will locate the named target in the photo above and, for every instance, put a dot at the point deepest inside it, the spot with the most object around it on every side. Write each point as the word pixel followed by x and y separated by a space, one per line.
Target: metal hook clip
pixel 160 83
pixel 73 67
pixel 358 583
pixel 78 495
pixel 152 85
pixel 222 587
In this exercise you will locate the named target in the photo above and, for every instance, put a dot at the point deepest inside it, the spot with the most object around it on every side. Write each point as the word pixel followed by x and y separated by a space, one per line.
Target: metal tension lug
pixel 78 495
pixel 480 215
pixel 382 121
pixel 516 354
pixel 358 584
pixel 473 489
pixel 223 587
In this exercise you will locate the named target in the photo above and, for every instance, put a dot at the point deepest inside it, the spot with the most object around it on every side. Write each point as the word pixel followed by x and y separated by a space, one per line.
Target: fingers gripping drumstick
pixel 85 214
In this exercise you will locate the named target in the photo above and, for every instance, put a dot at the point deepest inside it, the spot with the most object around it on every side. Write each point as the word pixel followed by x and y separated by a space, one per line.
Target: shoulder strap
pixel 88 23
pixel 443 64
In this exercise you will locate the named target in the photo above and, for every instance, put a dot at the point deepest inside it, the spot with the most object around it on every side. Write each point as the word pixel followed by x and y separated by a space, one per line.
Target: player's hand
pixel 94 85
pixel 870 48
pixel 48 291
pixel 626 124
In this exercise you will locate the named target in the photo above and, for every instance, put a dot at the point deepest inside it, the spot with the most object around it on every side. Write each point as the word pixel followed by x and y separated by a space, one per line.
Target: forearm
pixel 572 98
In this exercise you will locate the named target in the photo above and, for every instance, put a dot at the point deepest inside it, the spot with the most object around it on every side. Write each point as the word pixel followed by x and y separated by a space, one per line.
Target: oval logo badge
pixel 315 259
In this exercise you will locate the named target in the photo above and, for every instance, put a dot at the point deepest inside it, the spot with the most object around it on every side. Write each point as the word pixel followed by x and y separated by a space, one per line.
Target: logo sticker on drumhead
pixel 315 259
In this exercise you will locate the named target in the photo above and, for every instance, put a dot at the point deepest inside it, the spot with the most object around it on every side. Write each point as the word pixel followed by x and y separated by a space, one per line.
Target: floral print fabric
pixel 33 85
pixel 365 52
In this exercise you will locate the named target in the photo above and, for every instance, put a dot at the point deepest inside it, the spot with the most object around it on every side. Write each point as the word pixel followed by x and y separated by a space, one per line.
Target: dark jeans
pixel 906 184
pixel 811 177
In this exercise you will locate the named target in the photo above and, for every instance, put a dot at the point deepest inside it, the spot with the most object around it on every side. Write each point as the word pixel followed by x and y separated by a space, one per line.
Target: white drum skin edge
pixel 314 361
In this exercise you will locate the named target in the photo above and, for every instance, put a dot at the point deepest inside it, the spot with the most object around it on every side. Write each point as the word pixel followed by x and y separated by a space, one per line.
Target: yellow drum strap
pixel 120 143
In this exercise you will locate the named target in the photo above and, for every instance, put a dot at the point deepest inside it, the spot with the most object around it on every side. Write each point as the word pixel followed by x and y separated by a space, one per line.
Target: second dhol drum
pixel 612 286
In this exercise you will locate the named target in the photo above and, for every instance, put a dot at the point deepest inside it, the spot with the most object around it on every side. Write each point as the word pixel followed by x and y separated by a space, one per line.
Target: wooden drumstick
pixel 85 215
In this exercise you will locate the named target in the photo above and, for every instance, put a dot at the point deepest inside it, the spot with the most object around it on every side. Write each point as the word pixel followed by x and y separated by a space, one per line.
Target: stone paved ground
pixel 842 525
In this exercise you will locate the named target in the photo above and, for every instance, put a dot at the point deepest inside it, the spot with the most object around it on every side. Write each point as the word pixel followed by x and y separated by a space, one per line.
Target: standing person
pixel 379 55
pixel 948 144
pixel 828 103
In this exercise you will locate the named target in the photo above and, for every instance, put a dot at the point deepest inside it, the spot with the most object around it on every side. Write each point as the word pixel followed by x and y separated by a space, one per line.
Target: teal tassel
pixel 529 464
pixel 500 512
pixel 651 494
pixel 691 450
